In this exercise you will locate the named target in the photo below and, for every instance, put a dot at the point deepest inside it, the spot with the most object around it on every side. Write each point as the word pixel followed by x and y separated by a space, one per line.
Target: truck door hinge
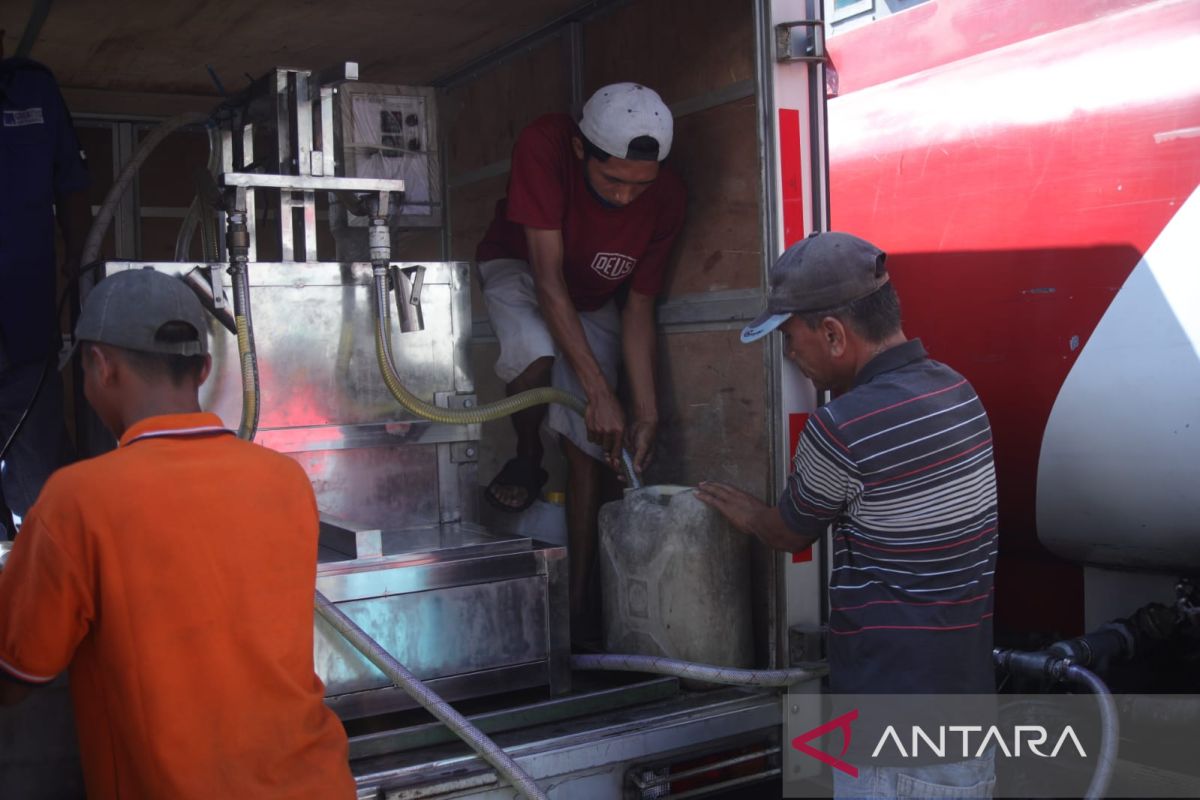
pixel 801 40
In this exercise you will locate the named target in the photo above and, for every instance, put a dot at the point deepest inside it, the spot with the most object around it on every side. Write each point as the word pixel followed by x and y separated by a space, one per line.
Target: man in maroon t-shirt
pixel 589 211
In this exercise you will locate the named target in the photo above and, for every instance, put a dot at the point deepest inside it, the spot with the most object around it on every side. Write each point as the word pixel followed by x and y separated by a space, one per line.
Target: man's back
pixel 907 455
pixel 183 566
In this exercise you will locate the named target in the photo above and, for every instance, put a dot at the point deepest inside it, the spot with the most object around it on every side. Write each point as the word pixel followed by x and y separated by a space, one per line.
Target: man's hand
pixel 606 425
pixel 640 441
pixel 750 515
pixel 743 510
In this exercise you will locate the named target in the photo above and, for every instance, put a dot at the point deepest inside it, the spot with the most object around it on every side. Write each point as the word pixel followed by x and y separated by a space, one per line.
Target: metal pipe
pixel 699 672
pixel 631 475
pixel 429 700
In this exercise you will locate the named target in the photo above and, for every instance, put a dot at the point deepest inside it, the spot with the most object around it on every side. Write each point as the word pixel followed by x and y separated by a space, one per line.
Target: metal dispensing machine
pixel 470 611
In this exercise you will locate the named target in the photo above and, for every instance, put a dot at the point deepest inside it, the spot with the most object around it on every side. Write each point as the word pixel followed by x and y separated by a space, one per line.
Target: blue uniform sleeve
pixel 70 164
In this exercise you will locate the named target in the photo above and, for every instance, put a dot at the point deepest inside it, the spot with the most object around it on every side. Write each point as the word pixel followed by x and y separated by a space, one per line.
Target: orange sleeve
pixel 45 608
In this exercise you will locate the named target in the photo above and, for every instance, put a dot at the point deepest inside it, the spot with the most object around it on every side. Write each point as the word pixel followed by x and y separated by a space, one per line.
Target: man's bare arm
pixel 750 515
pixel 639 343
pixel 605 419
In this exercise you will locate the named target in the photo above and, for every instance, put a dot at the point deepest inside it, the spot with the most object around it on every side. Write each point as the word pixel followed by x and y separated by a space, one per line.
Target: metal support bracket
pixel 450 400
pixel 464 453
pixel 809 45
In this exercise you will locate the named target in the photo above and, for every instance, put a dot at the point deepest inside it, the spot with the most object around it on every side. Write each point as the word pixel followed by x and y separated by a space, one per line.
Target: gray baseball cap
pixel 128 309
pixel 821 272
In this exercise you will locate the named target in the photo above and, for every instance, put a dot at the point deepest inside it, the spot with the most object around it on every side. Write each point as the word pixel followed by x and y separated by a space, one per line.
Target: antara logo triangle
pixel 841 723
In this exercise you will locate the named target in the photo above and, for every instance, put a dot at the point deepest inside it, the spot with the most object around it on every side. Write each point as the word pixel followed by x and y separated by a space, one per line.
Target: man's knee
pixel 535 375
pixel 579 461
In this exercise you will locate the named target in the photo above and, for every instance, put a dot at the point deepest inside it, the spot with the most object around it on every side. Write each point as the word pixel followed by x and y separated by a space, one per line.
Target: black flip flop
pixel 520 472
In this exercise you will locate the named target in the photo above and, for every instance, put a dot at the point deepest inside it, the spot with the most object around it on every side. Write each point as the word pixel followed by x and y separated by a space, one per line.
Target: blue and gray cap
pixel 819 273
pixel 129 308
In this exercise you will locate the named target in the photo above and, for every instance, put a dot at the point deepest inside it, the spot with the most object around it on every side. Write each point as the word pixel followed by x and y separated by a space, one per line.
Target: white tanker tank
pixel 1032 172
pixel 1119 472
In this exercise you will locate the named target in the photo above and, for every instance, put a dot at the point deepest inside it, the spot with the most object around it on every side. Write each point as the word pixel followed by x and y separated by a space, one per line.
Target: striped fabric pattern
pixel 902 467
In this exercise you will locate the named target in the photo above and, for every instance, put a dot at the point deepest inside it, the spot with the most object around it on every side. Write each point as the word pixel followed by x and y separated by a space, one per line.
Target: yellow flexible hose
pixel 453 416
pixel 249 423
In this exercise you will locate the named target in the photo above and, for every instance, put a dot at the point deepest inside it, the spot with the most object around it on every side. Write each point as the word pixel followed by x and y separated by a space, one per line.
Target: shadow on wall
pixel 1014 322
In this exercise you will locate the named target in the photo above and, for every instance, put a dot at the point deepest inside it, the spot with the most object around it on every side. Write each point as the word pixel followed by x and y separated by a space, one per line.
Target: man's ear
pixel 204 373
pixel 103 363
pixel 577 146
pixel 834 334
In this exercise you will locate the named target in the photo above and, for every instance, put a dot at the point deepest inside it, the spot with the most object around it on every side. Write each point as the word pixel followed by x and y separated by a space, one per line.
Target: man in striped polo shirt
pixel 900 463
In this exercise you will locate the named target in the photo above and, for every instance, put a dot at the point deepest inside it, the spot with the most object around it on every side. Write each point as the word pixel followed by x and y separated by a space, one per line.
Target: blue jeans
pixel 975 777
pixel 37 450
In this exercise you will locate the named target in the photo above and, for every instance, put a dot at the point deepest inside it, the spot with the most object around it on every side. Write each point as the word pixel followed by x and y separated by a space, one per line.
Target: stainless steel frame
pixel 592 756
pixel 470 611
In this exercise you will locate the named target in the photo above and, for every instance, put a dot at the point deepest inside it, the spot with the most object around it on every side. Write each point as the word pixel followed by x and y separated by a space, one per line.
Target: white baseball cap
pixel 617 116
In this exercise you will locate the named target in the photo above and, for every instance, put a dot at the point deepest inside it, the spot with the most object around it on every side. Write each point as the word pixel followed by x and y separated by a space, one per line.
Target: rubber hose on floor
pixel 699 672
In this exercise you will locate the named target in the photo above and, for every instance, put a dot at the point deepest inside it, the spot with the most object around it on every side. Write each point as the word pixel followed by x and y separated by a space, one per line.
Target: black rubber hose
pixel 1045 664
pixel 1110 728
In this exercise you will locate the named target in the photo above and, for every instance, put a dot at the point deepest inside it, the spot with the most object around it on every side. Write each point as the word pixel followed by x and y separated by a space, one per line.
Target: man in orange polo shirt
pixel 174 576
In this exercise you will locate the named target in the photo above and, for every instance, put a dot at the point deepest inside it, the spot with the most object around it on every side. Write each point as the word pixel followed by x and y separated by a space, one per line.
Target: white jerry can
pixel 675 579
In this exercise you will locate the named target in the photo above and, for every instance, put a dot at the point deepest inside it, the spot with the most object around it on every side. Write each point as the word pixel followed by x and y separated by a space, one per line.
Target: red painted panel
pixel 791 169
pixel 796 423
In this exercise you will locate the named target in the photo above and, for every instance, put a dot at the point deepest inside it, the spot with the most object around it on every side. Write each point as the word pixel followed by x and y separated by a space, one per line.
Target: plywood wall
pixel 681 48
pixel 712 388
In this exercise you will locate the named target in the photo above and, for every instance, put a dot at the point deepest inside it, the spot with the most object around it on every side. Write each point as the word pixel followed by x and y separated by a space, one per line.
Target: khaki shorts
pixel 517 320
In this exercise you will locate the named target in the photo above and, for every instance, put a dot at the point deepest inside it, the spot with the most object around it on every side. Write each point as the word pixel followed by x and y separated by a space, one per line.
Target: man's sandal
pixel 521 473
